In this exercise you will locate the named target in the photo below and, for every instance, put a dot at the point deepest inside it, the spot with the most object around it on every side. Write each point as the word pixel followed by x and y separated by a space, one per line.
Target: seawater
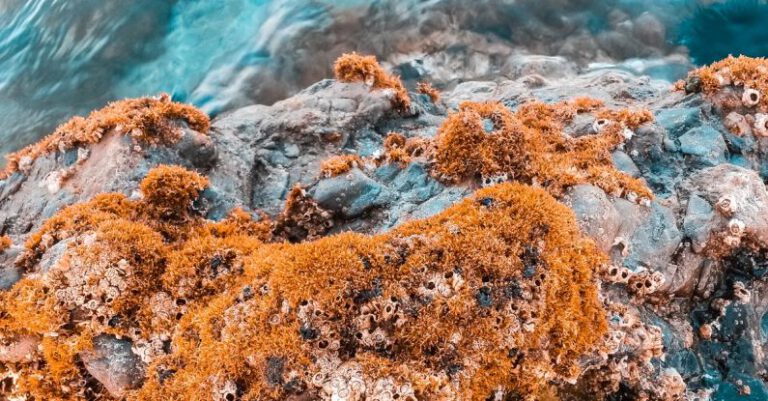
pixel 60 58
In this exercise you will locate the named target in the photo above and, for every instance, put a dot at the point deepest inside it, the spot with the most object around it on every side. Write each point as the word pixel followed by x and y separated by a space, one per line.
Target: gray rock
pixel 414 184
pixel 19 350
pixel 697 225
pixel 114 365
pixel 9 275
pixel 351 194
pixel 728 391
pixel 624 163
pixel 595 214
pixel 682 278
pixel 545 66
pixel 678 121
pixel 439 203
pixel 52 255
pixel 745 194
pixel 199 149
pixel 705 145
pixel 651 233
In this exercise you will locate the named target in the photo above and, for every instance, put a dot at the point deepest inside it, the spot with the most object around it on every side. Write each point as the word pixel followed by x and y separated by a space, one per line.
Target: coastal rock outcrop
pixel 613 246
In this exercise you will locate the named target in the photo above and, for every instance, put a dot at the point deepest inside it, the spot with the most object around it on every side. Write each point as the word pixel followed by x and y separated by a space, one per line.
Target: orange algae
pixel 494 294
pixel 338 165
pixel 395 148
pixel 429 90
pixel 353 67
pixel 749 72
pixel 146 120
pixel 529 145
pixel 629 118
pixel 302 218
pixel 5 243
pixel 350 302
pixel 120 274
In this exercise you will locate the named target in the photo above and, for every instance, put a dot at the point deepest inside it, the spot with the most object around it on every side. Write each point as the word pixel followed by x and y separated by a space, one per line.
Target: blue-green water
pixel 64 57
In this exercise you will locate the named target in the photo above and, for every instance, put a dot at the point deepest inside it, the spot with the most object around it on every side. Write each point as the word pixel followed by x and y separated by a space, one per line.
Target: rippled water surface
pixel 64 57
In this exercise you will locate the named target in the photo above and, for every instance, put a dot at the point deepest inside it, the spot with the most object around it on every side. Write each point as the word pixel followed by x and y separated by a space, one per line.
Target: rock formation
pixel 364 240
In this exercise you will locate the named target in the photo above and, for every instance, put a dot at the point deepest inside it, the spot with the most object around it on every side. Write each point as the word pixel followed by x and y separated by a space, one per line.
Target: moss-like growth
pixel 529 145
pixel 146 120
pixel 5 243
pixel 338 165
pixel 352 67
pixel 743 77
pixel 426 88
pixel 170 190
pixel 401 150
pixel 302 218
pixel 503 280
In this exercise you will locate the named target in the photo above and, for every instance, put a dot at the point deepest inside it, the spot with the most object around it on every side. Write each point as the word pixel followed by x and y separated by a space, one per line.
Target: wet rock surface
pixel 694 258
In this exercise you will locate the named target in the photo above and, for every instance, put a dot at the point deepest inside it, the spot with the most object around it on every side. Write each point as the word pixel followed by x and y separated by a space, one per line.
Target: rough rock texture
pixel 690 264
pixel 114 365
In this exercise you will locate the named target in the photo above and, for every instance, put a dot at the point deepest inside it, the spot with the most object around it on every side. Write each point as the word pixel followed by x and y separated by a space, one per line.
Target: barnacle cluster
pixel 626 364
pixel 302 218
pixel 489 141
pixel 147 120
pixel 353 67
pixel 738 87
pixel 494 297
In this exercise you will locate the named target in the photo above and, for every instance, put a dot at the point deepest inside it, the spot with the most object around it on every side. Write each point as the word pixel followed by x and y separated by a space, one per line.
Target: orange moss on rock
pixel 426 88
pixel 480 138
pixel 170 190
pixel 401 150
pixel 338 165
pixel 733 83
pixel 5 243
pixel 628 118
pixel 750 72
pixel 395 148
pixel 529 145
pixel 353 67
pixel 500 306
pixel 128 269
pixel 302 218
pixel 494 295
pixel 585 104
pixel 147 120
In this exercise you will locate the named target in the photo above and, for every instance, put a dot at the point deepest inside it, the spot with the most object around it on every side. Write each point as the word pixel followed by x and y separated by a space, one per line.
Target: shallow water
pixel 64 57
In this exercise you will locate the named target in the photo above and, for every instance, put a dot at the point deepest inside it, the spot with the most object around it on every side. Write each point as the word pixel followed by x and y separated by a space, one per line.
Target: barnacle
pixel 761 124
pixel 750 97
pixel 353 67
pixel 506 287
pixel 147 120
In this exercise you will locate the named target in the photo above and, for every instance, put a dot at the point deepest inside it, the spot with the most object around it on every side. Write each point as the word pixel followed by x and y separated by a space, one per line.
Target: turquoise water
pixel 59 58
